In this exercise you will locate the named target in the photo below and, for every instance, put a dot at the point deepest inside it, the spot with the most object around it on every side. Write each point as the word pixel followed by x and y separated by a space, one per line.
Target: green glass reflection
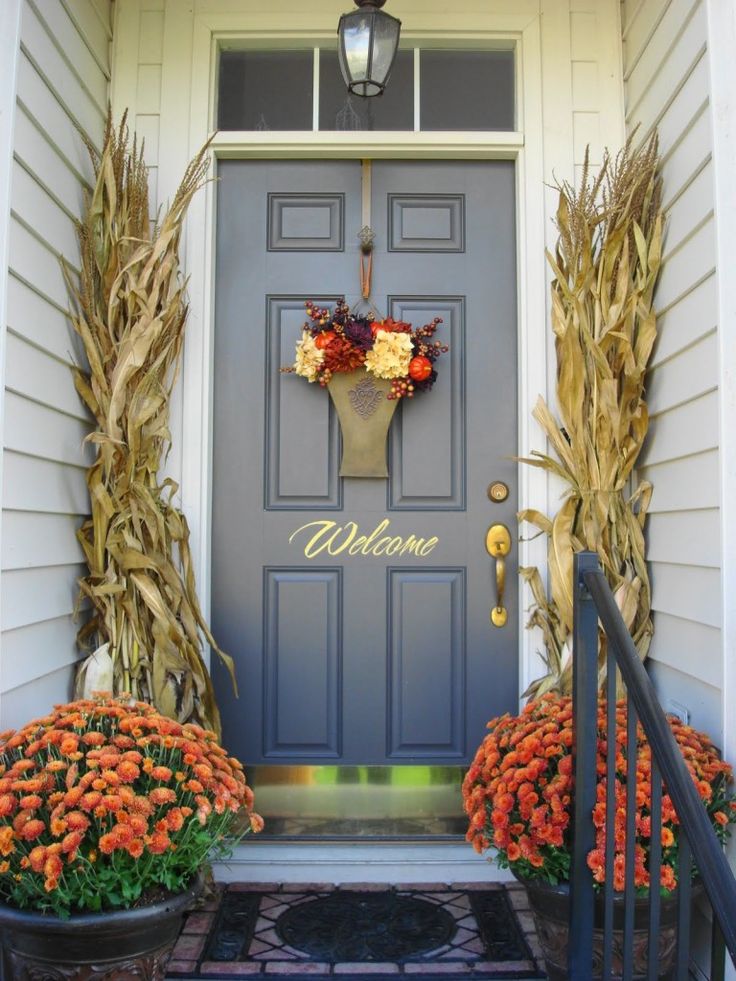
pixel 359 801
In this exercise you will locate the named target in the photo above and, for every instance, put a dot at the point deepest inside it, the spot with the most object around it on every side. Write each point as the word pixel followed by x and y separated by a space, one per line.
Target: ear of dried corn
pixel 604 268
pixel 129 310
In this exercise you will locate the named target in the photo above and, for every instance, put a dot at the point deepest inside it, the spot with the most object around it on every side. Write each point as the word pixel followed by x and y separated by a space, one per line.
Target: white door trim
pixel 524 147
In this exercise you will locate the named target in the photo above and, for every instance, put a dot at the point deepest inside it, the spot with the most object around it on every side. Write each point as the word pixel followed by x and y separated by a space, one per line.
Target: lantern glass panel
pixel 385 42
pixel 356 36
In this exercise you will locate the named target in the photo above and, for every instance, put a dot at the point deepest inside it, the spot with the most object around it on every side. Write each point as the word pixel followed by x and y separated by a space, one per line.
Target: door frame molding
pixel 189 72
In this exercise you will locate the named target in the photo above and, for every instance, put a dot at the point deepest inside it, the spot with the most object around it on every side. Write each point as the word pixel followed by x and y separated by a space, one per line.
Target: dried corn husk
pixel 605 268
pixel 129 310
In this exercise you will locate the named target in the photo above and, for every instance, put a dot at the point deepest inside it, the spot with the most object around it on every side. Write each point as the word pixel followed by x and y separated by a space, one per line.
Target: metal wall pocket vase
pixel 365 414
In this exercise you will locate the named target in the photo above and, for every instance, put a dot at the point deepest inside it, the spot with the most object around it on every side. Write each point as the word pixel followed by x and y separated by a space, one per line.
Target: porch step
pixel 357 860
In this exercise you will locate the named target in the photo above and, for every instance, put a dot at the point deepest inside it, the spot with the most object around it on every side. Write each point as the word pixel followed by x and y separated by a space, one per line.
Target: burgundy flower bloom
pixel 359 332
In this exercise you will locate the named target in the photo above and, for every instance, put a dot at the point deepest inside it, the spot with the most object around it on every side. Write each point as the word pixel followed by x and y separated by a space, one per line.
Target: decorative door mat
pixel 471 930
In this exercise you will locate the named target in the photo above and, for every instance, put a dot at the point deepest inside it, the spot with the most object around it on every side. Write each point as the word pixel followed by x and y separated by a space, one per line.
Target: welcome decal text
pixel 333 539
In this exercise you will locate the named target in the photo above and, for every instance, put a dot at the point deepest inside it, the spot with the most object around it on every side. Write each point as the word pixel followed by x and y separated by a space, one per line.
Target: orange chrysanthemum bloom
pixel 72 841
pixel 8 804
pixel 88 802
pixel 77 821
pixel 175 819
pixel 7 841
pixel 128 771
pixel 162 795
pixel 94 739
pixel 37 857
pixel 158 842
pixel 32 829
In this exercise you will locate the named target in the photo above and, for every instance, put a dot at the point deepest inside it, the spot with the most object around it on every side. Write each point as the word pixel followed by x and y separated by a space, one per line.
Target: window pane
pixel 265 90
pixel 466 90
pixel 338 110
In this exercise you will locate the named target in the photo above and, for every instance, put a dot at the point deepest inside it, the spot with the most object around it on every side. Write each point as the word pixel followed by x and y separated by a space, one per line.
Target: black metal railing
pixel 697 841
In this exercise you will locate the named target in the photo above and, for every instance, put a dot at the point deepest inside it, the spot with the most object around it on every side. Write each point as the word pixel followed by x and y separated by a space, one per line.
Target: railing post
pixel 585 729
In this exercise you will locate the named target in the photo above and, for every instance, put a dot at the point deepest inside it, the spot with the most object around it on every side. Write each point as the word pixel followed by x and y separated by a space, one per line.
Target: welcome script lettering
pixel 334 539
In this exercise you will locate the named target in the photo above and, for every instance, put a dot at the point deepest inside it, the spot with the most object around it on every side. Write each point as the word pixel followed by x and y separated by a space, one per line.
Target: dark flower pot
pixel 551 908
pixel 117 945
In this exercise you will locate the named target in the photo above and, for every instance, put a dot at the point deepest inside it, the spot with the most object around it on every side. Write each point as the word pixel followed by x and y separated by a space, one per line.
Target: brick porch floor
pixel 266 956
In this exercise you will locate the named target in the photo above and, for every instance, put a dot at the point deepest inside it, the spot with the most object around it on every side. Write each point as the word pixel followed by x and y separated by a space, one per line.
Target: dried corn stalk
pixel 605 268
pixel 129 310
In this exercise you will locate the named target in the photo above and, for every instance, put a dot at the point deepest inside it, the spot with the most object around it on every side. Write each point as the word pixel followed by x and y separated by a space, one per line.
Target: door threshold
pixel 358 861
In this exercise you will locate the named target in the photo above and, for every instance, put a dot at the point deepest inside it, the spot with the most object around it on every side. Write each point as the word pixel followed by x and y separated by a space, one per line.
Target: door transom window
pixel 430 89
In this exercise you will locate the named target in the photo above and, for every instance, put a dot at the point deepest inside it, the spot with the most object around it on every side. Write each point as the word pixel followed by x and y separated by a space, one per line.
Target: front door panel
pixel 366 658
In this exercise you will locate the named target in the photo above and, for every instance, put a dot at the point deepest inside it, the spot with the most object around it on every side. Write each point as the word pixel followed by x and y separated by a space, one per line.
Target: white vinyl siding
pixel 62 92
pixel 667 80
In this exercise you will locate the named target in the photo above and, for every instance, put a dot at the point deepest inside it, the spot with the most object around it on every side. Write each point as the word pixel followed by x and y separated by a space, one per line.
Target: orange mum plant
pixel 518 794
pixel 103 802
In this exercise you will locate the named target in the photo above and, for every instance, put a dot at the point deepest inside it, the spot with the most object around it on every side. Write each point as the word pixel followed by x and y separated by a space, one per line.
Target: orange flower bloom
pixel 69 745
pixel 88 802
pixel 32 829
pixel 7 837
pixel 138 824
pixel 72 797
pixel 162 795
pixel 158 843
pixel 108 843
pixel 58 826
pixel 94 739
pixel 77 821
pixel 53 867
pixel 128 771
pixel 8 804
pixel 72 841
pixel 175 819
pixel 141 805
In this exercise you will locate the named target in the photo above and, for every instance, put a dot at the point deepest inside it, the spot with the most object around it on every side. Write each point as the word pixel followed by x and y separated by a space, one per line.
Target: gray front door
pixel 362 659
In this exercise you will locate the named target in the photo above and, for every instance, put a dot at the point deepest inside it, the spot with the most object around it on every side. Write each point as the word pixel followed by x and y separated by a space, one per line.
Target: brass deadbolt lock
pixel 498 491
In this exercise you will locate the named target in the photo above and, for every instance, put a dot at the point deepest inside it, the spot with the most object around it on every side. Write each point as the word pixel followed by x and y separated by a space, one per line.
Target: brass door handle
pixel 498 546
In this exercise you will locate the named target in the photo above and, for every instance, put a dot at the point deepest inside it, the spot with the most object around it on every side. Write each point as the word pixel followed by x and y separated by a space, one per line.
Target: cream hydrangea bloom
pixel 390 355
pixel 308 357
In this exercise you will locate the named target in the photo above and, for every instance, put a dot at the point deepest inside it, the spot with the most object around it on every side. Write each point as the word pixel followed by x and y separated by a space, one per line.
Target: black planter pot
pixel 116 945
pixel 551 908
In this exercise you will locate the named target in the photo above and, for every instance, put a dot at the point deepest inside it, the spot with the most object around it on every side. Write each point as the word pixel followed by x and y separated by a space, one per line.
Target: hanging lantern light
pixel 368 40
